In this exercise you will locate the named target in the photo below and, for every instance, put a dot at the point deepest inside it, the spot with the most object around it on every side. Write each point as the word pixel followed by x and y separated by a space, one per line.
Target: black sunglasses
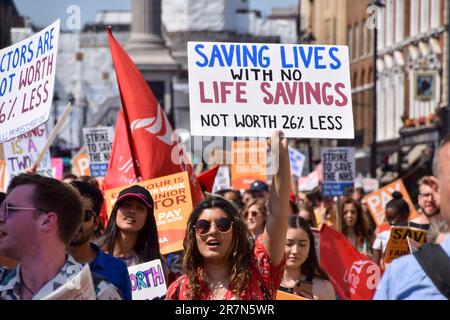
pixel 223 225
pixel 88 214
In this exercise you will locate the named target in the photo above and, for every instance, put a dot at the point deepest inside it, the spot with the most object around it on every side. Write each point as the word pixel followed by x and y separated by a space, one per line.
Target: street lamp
pixel 373 149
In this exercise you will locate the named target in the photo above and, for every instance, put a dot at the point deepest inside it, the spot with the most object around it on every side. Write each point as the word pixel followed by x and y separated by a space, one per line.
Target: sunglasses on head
pixel 88 214
pixel 223 225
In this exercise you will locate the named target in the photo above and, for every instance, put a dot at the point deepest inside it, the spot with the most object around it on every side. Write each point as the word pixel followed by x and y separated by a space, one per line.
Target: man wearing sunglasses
pixel 38 218
pixel 84 251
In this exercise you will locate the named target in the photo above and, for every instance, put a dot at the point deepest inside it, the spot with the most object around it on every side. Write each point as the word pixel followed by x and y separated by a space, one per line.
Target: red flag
pixel 353 275
pixel 206 179
pixel 147 142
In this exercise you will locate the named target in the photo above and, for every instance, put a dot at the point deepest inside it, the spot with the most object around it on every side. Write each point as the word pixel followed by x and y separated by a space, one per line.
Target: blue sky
pixel 44 12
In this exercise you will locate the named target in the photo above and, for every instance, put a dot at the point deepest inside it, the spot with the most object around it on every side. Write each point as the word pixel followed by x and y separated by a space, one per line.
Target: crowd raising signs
pixel 242 89
pixel 27 78
pixel 99 145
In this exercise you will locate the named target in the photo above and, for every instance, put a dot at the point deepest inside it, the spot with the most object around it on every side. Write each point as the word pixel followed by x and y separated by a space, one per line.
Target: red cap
pixel 206 179
pixel 292 197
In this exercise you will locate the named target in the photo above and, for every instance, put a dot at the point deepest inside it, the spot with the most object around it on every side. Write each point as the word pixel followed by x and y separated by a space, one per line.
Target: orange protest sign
pixel 173 206
pixel 397 245
pixel 281 295
pixel 80 165
pixel 376 201
pixel 249 163
pixel 2 175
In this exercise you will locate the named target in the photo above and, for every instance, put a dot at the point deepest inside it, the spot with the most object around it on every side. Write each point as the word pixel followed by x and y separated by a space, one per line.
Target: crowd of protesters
pixel 237 246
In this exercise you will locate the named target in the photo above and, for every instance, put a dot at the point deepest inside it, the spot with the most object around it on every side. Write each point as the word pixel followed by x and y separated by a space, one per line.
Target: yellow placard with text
pixel 249 163
pixel 173 206
pixel 397 245
pixel 80 165
pixel 281 295
pixel 2 175
pixel 376 201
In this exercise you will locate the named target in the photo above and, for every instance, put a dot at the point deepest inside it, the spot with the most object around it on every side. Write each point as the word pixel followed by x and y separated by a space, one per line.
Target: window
pixel 424 15
pixel 399 20
pixel 364 32
pixel 356 44
pixel 414 19
pixel 350 42
pixel 389 22
pixel 380 32
pixel 435 13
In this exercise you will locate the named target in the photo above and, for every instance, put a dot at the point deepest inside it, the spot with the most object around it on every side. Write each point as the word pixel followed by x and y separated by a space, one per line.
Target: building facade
pixel 410 81
pixel 360 40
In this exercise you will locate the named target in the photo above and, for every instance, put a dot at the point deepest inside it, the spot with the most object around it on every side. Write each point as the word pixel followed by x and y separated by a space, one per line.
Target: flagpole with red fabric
pixel 153 151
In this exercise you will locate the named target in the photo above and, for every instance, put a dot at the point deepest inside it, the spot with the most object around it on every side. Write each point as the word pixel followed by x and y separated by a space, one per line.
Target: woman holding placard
pixel 220 261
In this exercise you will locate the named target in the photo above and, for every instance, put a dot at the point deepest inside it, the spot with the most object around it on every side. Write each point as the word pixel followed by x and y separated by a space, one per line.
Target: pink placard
pixel 57 168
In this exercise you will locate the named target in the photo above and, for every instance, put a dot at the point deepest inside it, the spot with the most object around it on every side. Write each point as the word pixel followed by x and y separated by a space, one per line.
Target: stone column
pixel 146 25
pixel 147 49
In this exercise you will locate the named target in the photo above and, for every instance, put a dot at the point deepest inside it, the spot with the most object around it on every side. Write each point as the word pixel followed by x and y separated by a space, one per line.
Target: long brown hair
pixel 239 259
pixel 361 228
pixel 311 266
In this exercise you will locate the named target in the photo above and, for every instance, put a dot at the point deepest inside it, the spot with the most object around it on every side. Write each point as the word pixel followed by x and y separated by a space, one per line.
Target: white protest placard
pixel 370 185
pixel 250 90
pixel 22 151
pixel 78 287
pixel 147 281
pixel 297 160
pixel 99 145
pixel 311 181
pixel 27 78
pixel 222 180
pixel 338 165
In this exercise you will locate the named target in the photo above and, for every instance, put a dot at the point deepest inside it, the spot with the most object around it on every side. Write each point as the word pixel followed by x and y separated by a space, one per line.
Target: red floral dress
pixel 264 280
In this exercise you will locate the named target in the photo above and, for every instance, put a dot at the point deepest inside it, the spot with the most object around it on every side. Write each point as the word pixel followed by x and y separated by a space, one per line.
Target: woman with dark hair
pixel 131 234
pixel 307 213
pixel 220 260
pixel 355 226
pixel 255 216
pixel 232 195
pixel 396 214
pixel 303 275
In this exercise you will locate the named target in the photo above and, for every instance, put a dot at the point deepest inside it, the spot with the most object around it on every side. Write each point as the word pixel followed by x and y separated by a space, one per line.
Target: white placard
pixel 338 165
pixel 248 89
pixel 147 281
pixel 99 145
pixel 297 160
pixel 79 287
pixel 22 152
pixel 27 78
pixel 222 179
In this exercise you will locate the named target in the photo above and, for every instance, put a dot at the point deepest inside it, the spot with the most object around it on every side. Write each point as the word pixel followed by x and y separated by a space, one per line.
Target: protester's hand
pixel 31 170
pixel 278 144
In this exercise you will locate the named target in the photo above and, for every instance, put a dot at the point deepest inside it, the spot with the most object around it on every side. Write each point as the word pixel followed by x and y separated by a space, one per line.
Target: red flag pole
pixel 137 171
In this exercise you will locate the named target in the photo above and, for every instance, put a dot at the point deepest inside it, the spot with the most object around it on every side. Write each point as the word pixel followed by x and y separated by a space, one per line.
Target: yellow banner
pixel 2 175
pixel 398 241
pixel 281 295
pixel 249 163
pixel 376 201
pixel 80 165
pixel 173 206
